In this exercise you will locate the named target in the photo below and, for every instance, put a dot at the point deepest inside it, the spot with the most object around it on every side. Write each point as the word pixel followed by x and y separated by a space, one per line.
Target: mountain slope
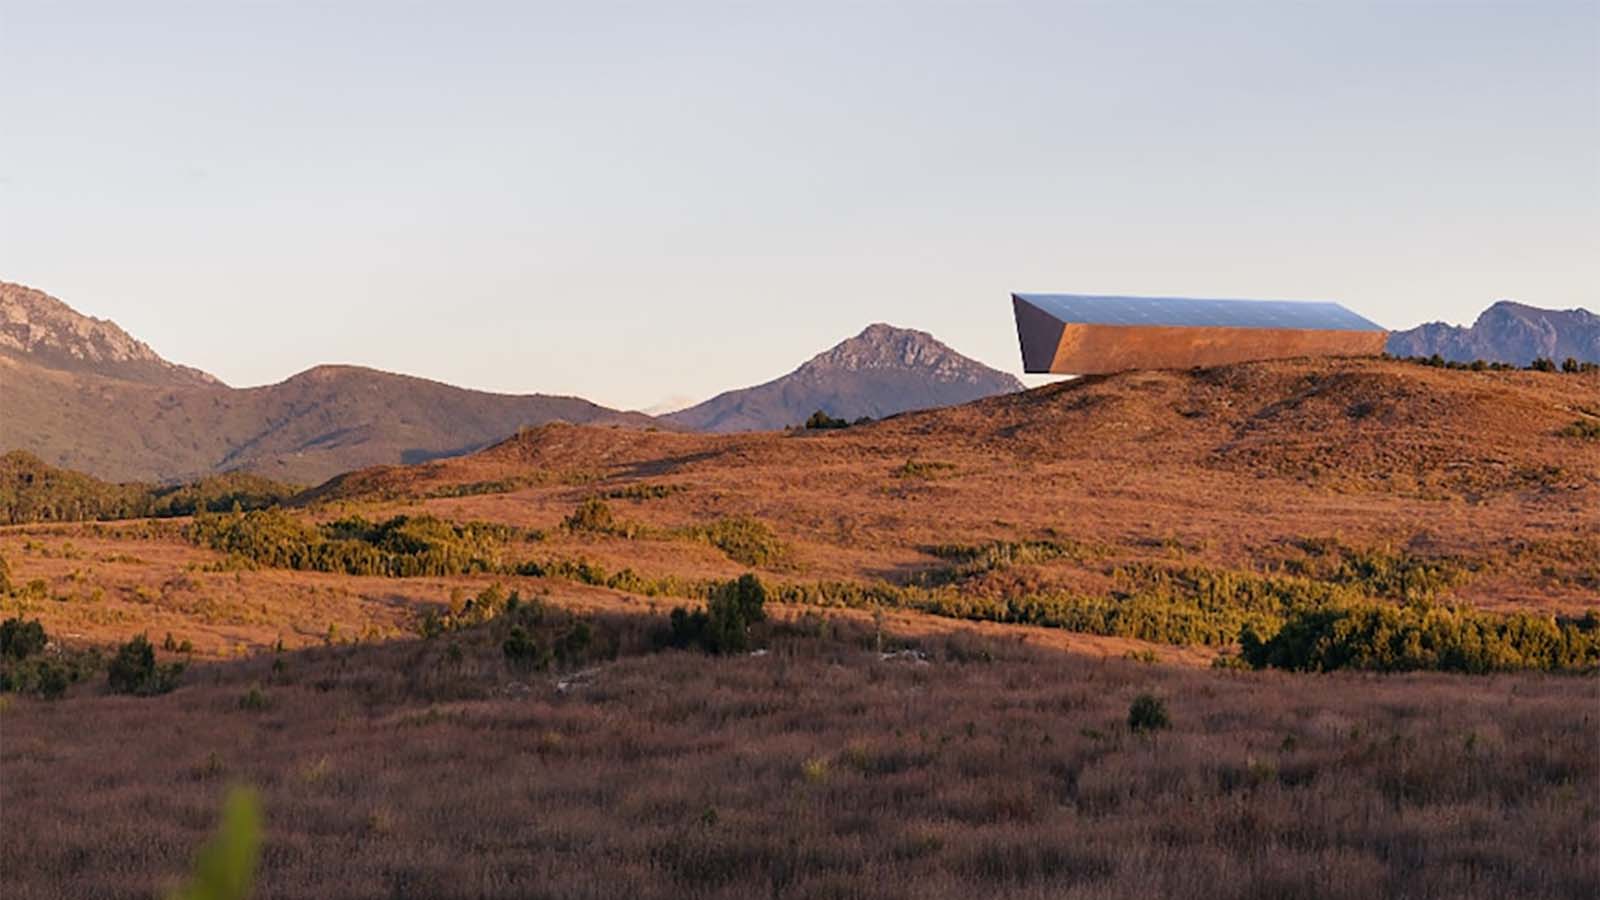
pixel 1507 332
pixel 81 394
pixel 879 372
pixel 42 330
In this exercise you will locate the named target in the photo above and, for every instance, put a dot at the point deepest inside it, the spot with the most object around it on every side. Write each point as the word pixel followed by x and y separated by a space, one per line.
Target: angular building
pixel 1075 334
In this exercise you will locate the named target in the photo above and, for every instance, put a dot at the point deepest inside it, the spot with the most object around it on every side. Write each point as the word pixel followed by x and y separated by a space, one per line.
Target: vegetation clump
pixel 403 546
pixel 922 468
pixel 134 670
pixel 748 541
pixel 821 421
pixel 33 491
pixel 645 491
pixel 724 625
pixel 1394 638
pixel 1586 429
pixel 1148 713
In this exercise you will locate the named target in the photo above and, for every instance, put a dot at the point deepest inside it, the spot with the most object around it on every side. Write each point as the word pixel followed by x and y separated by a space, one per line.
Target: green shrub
pixel 1587 429
pixel 1541 364
pixel 925 469
pixel 225 867
pixel 400 547
pixel 820 420
pixel 747 541
pixel 1148 713
pixel 522 651
pixel 724 626
pixel 5 577
pixel 1423 636
pixel 20 640
pixel 134 670
pixel 255 700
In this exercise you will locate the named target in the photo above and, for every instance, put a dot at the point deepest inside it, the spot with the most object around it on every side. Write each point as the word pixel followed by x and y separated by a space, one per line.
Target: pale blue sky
pixel 646 202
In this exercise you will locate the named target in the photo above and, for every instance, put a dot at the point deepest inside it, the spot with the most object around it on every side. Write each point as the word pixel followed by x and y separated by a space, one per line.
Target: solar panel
pixel 1197 313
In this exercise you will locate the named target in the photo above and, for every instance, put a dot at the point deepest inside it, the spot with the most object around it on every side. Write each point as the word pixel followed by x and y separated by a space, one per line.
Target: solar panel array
pixel 1178 311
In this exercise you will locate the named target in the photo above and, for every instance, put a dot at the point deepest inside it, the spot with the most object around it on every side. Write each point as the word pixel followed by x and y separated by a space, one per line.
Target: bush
pixel 747 541
pixel 5 577
pixel 1148 713
pixel 1588 429
pixel 255 700
pixel 134 670
pixel 20 640
pixel 820 420
pixel 592 515
pixel 724 625
pixel 1541 364
pixel 522 651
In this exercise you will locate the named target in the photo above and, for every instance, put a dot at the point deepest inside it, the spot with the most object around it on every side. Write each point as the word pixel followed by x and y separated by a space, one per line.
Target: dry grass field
pixel 819 769
pixel 994 760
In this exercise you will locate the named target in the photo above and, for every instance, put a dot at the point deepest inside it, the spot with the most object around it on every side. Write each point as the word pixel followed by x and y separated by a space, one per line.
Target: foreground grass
pixel 820 769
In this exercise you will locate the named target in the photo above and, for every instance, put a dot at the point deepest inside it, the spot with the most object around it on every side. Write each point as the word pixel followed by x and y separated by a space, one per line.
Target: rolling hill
pixel 881 371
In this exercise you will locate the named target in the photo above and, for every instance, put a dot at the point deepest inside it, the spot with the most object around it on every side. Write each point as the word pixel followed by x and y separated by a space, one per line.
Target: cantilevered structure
pixel 1076 334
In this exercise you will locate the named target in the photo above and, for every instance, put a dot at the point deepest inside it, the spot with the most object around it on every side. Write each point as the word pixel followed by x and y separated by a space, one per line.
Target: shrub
pixel 820 420
pixel 1541 364
pixel 747 541
pixel 926 469
pixel 134 670
pixel 1148 713
pixel 523 651
pixel 20 640
pixel 5 577
pixel 724 625
pixel 1588 429
pixel 593 515
pixel 254 700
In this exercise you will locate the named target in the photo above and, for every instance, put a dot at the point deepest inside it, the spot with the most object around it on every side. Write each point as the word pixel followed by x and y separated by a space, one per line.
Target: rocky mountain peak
pixel 1507 331
pixel 883 346
pixel 45 330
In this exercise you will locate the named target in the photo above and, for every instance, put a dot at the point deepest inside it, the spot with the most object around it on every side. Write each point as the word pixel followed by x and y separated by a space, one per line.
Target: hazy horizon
pixel 645 207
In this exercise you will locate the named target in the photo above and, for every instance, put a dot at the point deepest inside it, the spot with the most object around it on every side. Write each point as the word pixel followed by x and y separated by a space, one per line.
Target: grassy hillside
pixel 315 425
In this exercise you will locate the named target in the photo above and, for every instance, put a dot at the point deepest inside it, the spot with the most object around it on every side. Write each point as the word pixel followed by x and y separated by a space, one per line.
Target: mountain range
pixel 81 393
pixel 1507 332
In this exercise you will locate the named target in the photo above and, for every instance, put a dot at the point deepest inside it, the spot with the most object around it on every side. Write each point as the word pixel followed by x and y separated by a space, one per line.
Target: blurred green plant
pixel 225 868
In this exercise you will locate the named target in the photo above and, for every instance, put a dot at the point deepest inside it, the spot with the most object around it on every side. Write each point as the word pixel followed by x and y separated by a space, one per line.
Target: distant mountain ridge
pixel 45 331
pixel 83 394
pixel 1507 332
pixel 881 371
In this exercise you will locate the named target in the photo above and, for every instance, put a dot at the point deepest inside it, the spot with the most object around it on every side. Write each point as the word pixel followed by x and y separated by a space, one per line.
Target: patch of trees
pixel 403 546
pixel 1570 365
pixel 744 540
pixel 25 668
pixel 33 491
pixel 821 421
pixel 1394 638
pixel 724 625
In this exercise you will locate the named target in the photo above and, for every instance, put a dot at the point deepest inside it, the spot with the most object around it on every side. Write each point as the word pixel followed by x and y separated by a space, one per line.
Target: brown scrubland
pixel 963 605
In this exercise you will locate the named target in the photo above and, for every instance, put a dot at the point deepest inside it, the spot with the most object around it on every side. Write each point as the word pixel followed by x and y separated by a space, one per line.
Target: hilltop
pixel 881 371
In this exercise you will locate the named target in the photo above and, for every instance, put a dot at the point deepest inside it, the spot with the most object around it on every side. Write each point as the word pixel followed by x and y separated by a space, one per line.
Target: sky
pixel 646 204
